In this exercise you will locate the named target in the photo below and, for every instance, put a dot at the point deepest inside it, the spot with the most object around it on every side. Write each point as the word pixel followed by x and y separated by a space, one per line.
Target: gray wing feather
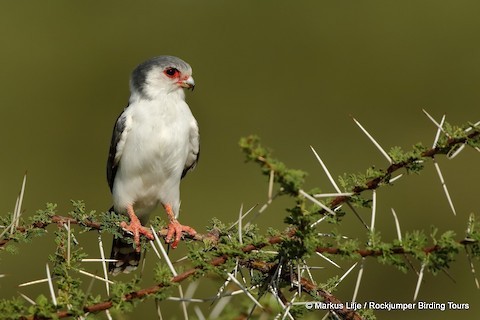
pixel 194 154
pixel 112 162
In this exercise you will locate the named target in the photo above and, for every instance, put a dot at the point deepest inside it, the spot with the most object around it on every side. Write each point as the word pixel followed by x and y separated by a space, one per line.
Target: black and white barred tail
pixel 128 258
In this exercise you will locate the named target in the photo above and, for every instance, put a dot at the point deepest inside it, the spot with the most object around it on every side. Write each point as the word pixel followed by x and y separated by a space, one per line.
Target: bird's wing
pixel 194 152
pixel 116 147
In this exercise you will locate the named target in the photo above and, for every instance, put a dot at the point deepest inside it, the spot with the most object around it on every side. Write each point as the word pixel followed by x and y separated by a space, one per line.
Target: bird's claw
pixel 136 229
pixel 175 230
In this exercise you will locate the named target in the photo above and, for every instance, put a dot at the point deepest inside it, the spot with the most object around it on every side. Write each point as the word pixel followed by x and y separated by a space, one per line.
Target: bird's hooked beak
pixel 187 83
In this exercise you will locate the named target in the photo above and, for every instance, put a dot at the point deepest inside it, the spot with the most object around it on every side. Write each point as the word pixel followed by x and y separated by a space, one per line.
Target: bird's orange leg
pixel 175 229
pixel 135 227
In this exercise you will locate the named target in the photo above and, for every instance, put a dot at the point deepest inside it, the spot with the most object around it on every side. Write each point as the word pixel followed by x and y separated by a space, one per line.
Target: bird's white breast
pixel 154 154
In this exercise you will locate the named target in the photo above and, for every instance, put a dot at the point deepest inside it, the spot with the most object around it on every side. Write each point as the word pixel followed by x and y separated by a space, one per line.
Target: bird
pixel 155 143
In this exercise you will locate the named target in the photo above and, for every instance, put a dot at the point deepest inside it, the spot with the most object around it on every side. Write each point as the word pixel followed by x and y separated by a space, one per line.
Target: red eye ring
pixel 171 72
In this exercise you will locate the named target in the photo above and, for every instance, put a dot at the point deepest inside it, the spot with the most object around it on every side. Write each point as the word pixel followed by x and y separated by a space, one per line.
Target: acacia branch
pixel 376 182
pixel 64 220
pixel 396 250
pixel 307 286
pixel 369 185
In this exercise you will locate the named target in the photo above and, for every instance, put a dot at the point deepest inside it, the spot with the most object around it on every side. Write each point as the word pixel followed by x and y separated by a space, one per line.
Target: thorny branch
pixel 64 220
pixel 305 284
pixel 374 183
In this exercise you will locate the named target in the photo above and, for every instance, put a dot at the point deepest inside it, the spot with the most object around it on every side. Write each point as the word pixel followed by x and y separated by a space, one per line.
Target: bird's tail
pixel 125 254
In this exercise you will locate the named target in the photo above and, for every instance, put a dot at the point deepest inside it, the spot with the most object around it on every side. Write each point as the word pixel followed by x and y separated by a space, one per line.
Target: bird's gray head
pixel 162 74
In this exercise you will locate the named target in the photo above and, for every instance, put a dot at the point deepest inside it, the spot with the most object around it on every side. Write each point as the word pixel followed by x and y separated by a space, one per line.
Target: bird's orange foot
pixel 175 230
pixel 136 229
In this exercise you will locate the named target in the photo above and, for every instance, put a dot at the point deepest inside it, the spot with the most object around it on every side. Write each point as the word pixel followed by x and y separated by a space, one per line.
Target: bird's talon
pixel 136 229
pixel 175 231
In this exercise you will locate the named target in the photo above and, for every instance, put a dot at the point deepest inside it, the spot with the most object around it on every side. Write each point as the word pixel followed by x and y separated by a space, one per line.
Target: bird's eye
pixel 171 72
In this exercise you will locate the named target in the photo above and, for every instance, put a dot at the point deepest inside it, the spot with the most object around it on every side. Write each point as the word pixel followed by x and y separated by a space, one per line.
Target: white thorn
pixel 440 129
pixel 282 305
pixel 243 216
pixel 99 260
pixel 456 152
pixel 6 228
pixel 94 276
pixel 159 310
pixel 18 206
pixel 359 280
pixel 192 287
pixel 183 303
pixel 419 281
pixel 318 221
pixel 265 251
pixel 50 286
pixel 290 269
pixel 240 239
pixel 221 304
pixel 287 312
pixel 235 270
pixel 181 259
pixel 104 263
pixel 299 277
pixel 270 185
pixel 244 290
pixel 331 195
pixel 290 304
pixel 345 274
pixel 318 203
pixel 374 210
pixel 69 238
pixel 220 290
pixel 434 122
pixel 164 253
pixel 395 178
pixel 445 189
pixel 152 243
pixel 397 225
pixel 14 217
pixel 472 268
pixel 306 267
pixel 384 153
pixel 279 272
pixel 22 193
pixel 199 313
pixel 332 181
pixel 476 124
pixel 193 300
pixel 27 298
pixel 71 234
pixel 328 260
pixel 33 282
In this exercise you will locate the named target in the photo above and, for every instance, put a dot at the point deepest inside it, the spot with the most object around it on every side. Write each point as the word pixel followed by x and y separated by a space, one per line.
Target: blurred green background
pixel 292 72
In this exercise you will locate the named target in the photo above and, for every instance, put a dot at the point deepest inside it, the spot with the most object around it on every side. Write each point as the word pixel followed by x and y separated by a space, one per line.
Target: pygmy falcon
pixel 155 142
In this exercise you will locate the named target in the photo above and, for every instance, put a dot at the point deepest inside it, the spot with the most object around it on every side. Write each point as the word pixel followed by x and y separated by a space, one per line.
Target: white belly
pixel 153 158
